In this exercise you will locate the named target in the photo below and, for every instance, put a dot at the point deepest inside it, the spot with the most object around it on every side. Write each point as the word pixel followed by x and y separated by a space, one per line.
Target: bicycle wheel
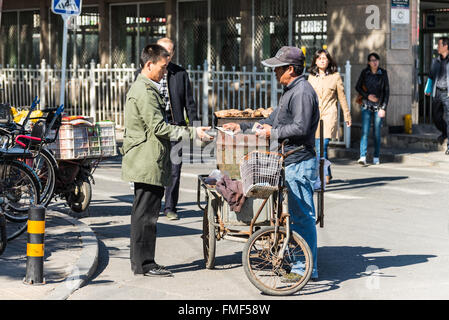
pixel 19 190
pixel 266 270
pixel 45 165
pixel 15 229
pixel 79 198
pixel 209 236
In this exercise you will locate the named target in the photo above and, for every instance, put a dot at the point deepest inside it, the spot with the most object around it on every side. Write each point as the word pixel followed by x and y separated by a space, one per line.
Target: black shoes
pixel 157 271
pixel 447 152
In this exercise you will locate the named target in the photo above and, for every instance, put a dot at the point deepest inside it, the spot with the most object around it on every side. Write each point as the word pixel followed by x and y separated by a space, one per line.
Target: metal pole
pixel 290 22
pixel 348 99
pixel 64 59
pixel 205 95
pixel 209 34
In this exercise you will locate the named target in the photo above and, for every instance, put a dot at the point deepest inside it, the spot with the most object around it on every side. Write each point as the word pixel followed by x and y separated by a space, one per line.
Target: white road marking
pixel 340 196
pixel 406 190
pixel 109 178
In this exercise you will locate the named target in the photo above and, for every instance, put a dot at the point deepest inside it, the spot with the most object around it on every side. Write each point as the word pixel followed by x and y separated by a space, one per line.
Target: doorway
pixel 434 25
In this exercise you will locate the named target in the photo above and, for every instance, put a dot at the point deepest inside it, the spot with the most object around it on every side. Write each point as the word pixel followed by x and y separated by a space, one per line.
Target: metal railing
pixel 101 92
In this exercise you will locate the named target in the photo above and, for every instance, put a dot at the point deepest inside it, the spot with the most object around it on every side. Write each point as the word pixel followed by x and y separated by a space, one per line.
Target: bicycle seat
pixel 14 153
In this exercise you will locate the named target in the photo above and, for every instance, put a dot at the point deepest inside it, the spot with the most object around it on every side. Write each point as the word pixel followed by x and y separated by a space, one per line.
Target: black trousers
pixel 144 215
pixel 172 191
pixel 440 107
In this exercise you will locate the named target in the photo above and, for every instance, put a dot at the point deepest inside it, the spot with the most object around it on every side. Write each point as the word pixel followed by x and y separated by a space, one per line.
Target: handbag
pixel 359 99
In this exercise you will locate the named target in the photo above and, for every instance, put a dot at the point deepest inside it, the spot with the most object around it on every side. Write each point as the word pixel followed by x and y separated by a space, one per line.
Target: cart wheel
pixel 209 237
pixel 269 273
pixel 79 198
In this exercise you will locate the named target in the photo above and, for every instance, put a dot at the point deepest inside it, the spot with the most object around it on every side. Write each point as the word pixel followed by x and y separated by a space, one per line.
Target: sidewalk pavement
pixel 70 258
pixel 437 159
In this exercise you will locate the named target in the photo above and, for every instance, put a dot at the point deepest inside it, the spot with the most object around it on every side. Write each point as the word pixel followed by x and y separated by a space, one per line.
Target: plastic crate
pixel 72 142
pixel 68 131
pixel 67 154
pixel 106 132
pixel 108 151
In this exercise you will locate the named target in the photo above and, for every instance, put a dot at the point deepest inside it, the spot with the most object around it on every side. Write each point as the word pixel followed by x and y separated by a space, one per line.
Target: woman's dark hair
pixel 373 54
pixel 331 68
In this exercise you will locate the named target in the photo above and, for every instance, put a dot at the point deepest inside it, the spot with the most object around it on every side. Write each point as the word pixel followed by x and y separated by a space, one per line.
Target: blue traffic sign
pixel 66 7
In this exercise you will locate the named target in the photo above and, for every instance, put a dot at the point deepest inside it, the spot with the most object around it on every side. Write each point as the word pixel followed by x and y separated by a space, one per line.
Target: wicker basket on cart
pixel 260 172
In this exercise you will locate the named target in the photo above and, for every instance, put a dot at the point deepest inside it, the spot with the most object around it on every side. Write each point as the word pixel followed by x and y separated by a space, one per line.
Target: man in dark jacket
pixel 178 97
pixel 296 119
pixel 438 87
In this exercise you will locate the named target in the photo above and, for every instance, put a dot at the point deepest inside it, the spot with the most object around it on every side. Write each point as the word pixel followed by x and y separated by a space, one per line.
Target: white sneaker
pixel 376 161
pixel 362 161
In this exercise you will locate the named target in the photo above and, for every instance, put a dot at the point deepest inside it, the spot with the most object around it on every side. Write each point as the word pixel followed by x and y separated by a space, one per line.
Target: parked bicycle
pixel 19 190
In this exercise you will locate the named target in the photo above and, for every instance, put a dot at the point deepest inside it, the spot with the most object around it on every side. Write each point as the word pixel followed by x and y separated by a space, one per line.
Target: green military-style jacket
pixel 146 144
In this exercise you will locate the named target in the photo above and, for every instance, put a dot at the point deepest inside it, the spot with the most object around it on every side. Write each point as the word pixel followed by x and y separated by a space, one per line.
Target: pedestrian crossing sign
pixel 66 7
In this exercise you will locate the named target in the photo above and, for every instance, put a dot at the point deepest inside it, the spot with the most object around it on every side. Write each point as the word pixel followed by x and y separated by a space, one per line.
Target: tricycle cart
pixel 263 224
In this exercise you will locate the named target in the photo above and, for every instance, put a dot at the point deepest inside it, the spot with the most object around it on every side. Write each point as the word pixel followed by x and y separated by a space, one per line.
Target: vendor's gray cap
pixel 285 56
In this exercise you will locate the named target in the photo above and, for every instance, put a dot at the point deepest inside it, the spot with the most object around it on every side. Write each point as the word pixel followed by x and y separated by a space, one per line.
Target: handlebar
pixel 20 143
pixel 282 146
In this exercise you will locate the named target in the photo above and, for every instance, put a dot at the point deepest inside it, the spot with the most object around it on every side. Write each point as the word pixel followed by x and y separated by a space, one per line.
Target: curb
pixel 85 265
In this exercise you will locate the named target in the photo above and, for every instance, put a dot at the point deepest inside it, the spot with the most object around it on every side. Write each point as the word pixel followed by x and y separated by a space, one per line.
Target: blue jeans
pixel 367 117
pixel 318 152
pixel 300 178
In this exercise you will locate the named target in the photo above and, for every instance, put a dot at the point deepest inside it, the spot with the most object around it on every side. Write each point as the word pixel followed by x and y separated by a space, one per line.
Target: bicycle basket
pixel 260 172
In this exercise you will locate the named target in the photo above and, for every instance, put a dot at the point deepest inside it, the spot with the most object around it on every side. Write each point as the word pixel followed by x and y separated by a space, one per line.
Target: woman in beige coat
pixel 328 85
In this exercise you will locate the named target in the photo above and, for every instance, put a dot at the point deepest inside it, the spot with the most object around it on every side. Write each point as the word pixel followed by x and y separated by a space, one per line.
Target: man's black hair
pixel 298 69
pixel 445 41
pixel 153 53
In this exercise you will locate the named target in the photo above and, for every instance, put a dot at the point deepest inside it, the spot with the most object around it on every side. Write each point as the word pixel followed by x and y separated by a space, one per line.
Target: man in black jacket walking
pixel 438 86
pixel 177 92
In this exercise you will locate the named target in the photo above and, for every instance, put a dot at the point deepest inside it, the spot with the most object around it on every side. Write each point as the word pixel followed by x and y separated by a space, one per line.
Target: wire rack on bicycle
pixel 260 172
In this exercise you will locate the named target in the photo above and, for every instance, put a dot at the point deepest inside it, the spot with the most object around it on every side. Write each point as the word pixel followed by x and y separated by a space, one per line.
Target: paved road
pixel 385 237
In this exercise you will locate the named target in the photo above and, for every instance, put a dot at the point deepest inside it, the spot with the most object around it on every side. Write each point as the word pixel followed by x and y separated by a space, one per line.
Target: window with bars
pixel 310 26
pixel 271 28
pixel 19 43
pixel 132 28
pixel 192 39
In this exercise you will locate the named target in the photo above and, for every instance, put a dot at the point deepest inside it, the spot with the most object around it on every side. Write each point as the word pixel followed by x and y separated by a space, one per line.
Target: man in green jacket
pixel 146 159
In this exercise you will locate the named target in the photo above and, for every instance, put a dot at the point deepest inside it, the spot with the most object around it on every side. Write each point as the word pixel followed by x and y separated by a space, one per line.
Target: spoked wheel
pixel 19 190
pixel 15 229
pixel 209 237
pixel 44 165
pixel 267 271
pixel 79 198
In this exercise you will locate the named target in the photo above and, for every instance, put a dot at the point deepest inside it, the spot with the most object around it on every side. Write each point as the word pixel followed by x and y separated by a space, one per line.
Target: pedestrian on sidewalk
pixel 438 86
pixel 178 97
pixel 374 88
pixel 296 119
pixel 329 87
pixel 146 156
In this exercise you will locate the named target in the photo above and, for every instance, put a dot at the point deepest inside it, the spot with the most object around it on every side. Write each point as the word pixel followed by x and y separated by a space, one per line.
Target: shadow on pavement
pixel 221 263
pixel 338 184
pixel 339 264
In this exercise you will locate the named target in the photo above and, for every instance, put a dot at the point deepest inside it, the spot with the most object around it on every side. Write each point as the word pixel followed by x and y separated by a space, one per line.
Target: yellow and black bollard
pixel 35 246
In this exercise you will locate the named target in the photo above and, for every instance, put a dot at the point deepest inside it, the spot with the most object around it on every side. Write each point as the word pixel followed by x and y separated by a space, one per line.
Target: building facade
pixel 241 33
